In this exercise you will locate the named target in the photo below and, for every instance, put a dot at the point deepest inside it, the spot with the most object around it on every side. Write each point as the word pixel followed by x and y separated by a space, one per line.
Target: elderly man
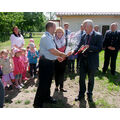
pixel 89 59
pixel 96 28
pixel 111 45
pixel 48 55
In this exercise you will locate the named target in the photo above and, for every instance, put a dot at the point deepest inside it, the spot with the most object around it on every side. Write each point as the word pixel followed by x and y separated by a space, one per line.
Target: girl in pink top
pixel 18 68
pixel 25 61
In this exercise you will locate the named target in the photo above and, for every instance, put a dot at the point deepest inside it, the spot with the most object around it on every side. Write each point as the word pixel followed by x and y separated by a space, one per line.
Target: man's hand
pixel 63 55
pixel 60 59
pixel 87 46
pixel 111 48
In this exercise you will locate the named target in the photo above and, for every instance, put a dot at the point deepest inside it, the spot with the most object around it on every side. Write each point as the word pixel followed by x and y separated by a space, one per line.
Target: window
pixel 104 29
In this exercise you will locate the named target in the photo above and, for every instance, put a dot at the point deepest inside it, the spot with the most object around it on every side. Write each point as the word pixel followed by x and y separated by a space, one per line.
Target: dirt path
pixel 102 96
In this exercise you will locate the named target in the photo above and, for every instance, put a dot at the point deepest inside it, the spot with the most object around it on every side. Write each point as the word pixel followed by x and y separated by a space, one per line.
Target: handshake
pixel 63 56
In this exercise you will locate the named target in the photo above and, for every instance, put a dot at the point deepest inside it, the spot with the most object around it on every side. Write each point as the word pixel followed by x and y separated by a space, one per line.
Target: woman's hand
pixel 69 53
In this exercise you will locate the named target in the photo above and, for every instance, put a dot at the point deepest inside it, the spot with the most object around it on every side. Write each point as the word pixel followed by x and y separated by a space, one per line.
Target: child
pixel 32 57
pixel 7 69
pixel 31 40
pixel 18 68
pixel 25 61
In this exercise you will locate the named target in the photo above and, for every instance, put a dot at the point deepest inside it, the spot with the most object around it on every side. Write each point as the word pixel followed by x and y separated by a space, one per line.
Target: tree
pixel 34 21
pixel 10 19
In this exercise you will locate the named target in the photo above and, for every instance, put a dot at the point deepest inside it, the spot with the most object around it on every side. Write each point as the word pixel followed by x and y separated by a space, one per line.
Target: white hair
pixel 115 23
pixel 89 22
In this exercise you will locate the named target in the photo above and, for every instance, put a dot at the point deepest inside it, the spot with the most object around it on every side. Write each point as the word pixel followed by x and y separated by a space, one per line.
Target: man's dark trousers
pixel 110 55
pixel 46 71
pixel 84 70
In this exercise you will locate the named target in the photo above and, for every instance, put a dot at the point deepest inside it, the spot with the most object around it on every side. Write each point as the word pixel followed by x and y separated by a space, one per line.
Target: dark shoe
pixel 35 76
pixel 104 71
pixel 79 98
pixel 113 73
pixel 38 106
pixel 51 100
pixel 10 88
pixel 62 90
pixel 90 99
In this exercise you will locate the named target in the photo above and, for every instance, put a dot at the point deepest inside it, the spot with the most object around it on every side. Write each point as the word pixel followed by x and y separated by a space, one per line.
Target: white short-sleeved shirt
pixel 19 41
pixel 47 43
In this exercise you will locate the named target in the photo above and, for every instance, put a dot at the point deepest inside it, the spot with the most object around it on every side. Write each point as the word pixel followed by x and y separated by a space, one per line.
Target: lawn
pixel 36 37
pixel 106 92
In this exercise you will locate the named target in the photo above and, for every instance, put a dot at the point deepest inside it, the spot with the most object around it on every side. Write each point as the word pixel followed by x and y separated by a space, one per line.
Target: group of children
pixel 15 63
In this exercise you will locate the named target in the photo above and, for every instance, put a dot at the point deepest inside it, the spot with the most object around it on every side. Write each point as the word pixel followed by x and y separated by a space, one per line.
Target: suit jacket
pixel 95 46
pixel 112 39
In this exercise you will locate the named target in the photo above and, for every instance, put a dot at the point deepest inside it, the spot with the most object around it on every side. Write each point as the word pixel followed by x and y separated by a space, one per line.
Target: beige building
pixel 99 18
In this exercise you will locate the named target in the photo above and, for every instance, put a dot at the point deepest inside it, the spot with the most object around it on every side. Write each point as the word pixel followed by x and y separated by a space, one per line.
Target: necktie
pixel 88 39
pixel 81 32
pixel 66 33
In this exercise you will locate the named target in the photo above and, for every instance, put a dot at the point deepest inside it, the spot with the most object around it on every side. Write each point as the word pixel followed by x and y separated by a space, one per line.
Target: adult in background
pixel 96 28
pixel 111 45
pixel 60 42
pixel 48 56
pixel 89 59
pixel 66 29
pixel 71 59
pixel 16 38
pixel 79 35
pixel 1 94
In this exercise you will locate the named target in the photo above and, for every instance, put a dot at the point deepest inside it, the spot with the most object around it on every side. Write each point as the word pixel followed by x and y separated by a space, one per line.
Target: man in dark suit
pixel 89 60
pixel 111 45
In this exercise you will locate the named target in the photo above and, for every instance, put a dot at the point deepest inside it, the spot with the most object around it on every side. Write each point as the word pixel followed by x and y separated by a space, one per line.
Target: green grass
pixel 26 91
pixel 27 102
pixel 18 102
pixel 7 44
pixel 101 103
pixel 34 90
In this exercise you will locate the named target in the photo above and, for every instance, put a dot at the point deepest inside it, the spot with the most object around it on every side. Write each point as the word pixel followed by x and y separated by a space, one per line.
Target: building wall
pixel 75 21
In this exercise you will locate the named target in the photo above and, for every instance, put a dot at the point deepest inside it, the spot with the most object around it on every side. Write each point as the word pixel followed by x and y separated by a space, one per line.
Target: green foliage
pixel 26 22
pixel 10 19
pixel 33 21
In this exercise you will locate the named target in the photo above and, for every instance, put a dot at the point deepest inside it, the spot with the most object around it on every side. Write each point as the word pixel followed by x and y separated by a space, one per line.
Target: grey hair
pixel 89 22
pixel 115 23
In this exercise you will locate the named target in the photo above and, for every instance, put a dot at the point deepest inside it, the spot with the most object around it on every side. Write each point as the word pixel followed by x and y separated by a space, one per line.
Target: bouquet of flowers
pixel 72 42
pixel 82 49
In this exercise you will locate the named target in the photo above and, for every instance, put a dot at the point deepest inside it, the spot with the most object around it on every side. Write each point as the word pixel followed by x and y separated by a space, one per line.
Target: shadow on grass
pixel 115 79
pixel 71 75
pixel 61 101
pixel 10 94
